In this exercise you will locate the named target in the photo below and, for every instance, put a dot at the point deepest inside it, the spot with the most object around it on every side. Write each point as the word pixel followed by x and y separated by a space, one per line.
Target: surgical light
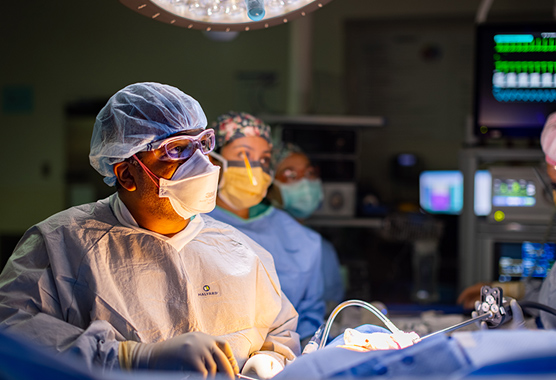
pixel 224 15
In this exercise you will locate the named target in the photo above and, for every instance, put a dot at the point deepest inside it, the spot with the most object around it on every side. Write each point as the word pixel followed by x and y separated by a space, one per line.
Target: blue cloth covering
pixel 476 354
pixel 297 253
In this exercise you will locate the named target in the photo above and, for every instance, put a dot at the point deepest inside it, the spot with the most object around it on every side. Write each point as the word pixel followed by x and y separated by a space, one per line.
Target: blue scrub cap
pixel 283 150
pixel 136 116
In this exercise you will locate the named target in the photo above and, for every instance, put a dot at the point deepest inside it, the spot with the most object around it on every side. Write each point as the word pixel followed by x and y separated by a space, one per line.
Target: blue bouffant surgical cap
pixel 136 116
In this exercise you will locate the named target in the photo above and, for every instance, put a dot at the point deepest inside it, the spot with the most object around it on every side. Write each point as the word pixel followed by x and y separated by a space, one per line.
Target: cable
pixel 536 305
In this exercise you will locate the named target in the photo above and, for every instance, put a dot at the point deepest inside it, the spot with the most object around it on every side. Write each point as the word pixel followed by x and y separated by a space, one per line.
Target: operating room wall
pixel 54 54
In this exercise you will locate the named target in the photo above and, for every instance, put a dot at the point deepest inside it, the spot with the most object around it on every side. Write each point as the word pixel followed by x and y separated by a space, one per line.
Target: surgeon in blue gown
pixel 243 149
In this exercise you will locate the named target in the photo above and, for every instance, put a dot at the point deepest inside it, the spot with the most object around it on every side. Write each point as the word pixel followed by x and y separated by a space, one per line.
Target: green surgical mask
pixel 301 198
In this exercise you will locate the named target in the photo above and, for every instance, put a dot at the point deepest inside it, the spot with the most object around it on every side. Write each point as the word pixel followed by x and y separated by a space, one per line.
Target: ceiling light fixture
pixel 224 15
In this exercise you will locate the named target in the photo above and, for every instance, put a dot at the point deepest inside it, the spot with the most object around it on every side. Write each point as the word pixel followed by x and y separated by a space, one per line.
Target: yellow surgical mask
pixel 242 186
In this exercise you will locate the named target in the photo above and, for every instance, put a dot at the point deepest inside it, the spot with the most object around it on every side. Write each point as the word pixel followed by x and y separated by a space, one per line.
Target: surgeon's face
pixel 160 208
pixel 256 148
pixel 294 168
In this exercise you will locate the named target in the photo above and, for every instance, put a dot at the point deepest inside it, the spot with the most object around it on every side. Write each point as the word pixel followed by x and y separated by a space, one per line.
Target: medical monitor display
pixel 513 192
pixel 527 259
pixel 515 78
pixel 441 192
pixel 519 194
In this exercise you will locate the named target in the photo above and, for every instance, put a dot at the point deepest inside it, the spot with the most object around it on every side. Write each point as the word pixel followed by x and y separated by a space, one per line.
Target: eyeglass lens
pixel 184 148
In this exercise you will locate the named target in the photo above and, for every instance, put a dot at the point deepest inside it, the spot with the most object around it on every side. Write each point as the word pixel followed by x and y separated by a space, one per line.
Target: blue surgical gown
pixel 297 253
pixel 83 281
pixel 333 283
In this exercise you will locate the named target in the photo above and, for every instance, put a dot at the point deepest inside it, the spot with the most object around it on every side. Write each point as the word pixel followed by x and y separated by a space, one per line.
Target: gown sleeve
pixel 282 337
pixel 30 306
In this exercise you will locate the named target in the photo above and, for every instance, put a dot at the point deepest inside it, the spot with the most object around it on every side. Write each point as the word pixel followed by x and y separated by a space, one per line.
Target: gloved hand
pixel 194 351
pixel 263 366
pixel 517 322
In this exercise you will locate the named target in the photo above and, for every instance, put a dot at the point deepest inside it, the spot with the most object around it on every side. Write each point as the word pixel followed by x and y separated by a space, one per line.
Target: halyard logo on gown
pixel 208 291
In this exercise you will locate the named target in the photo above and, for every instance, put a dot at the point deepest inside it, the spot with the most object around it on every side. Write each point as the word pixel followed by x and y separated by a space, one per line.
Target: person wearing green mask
pixel 297 189
pixel 300 188
pixel 244 152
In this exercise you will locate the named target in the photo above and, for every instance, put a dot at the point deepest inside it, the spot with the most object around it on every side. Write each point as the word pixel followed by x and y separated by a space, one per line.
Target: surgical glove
pixel 518 320
pixel 263 366
pixel 194 351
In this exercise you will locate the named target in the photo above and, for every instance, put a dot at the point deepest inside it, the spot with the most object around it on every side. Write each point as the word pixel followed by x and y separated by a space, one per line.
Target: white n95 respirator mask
pixel 192 188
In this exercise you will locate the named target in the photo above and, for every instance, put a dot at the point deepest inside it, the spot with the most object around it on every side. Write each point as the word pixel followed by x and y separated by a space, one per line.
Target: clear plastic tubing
pixel 255 9
pixel 388 323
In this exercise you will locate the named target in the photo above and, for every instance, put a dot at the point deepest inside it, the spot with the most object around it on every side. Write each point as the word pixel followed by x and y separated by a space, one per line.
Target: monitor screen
pixel 513 192
pixel 526 259
pixel 515 78
pixel 441 192
pixel 519 194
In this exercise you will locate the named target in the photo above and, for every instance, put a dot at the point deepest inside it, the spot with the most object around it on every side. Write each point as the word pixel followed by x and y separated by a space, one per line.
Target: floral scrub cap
pixel 233 125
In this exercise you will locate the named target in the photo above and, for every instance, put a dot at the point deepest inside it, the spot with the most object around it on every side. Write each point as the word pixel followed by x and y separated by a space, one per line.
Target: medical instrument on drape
pixel 493 308
pixel 478 318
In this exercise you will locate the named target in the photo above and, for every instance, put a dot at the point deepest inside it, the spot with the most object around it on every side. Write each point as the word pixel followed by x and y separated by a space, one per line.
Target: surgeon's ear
pixel 125 176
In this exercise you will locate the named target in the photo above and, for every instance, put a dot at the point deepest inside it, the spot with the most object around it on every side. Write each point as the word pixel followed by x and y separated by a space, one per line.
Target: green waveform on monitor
pixel 523 44
pixel 525 66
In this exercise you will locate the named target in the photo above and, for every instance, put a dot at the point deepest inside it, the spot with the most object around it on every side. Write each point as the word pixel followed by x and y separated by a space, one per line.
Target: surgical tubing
pixel 388 323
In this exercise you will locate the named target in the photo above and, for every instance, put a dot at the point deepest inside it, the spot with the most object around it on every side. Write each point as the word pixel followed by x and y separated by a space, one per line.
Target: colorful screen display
pixel 441 192
pixel 513 193
pixel 515 76
pixel 532 260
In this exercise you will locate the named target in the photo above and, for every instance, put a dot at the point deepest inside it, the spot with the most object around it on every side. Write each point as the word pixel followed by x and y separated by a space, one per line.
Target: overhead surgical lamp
pixel 224 15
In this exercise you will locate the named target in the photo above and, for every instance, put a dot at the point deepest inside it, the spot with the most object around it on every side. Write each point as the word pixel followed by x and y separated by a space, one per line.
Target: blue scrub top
pixel 333 282
pixel 297 253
